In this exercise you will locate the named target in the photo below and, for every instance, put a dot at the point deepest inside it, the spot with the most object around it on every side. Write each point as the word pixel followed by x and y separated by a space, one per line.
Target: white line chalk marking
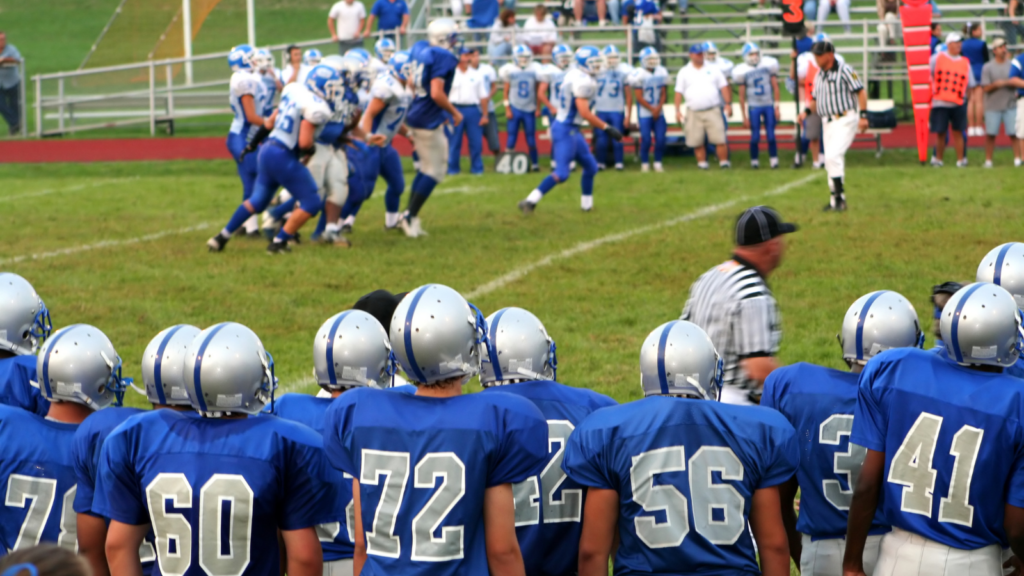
pixel 76 188
pixel 104 244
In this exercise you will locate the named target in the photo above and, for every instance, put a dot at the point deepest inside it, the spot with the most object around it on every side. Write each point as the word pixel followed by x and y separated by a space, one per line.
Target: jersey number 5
pixel 569 507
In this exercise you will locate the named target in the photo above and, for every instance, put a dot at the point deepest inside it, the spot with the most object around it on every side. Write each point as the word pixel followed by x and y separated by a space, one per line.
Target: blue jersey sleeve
pixel 85 472
pixel 770 393
pixel 783 452
pixel 444 63
pixel 523 448
pixel 585 460
pixel 337 440
pixel 118 492
pixel 313 488
pixel 869 419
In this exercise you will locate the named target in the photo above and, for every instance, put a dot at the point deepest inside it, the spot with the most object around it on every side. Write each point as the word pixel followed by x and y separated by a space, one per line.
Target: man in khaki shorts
pixel 704 88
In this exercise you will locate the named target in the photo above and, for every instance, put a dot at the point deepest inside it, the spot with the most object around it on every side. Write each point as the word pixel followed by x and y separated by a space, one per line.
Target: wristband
pixel 807 111
pixel 863 113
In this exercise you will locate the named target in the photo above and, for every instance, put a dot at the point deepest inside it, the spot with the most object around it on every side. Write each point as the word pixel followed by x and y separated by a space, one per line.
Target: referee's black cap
pixel 822 47
pixel 380 304
pixel 760 224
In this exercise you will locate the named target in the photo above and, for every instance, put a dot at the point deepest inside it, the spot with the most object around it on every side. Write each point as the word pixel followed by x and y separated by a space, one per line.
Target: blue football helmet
pixel 649 58
pixel 678 359
pixel 612 56
pixel 384 49
pixel 399 64
pixel 589 60
pixel 241 57
pixel 522 55
pixel 325 82
pixel 359 53
pixel 562 56
pixel 752 53
pixel 312 57
pixel 820 37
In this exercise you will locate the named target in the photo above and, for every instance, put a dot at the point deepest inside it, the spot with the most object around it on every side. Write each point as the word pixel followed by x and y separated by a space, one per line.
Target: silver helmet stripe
pixel 997 274
pixel 492 346
pixel 158 365
pixel 860 323
pixel 46 360
pixel 331 376
pixel 417 373
pixel 956 321
pixel 199 365
pixel 662 378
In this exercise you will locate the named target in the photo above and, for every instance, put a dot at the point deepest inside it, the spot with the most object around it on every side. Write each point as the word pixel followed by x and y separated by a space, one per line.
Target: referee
pixel 733 304
pixel 837 97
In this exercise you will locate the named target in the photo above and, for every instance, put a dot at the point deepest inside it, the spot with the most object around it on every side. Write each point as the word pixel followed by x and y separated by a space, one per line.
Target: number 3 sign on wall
pixel 793 18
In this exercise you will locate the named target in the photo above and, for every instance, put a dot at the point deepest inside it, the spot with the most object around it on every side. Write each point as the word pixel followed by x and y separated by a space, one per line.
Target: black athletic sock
pixel 416 202
pixel 837 189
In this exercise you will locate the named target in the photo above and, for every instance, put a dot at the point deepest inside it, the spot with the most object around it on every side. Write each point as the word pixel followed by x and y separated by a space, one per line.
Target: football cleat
pixel 346 229
pixel 526 207
pixel 333 237
pixel 217 243
pixel 278 247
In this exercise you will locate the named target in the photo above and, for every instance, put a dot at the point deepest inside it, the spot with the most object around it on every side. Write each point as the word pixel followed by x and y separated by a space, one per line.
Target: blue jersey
pixel 341 119
pixel 611 89
pixel 941 426
pixel 577 84
pixel 686 472
pixel 39 481
pixel 549 506
pixel 337 537
pixel 15 388
pixel 241 479
pixel 1017 370
pixel 976 52
pixel 389 90
pixel 522 85
pixel 399 446
pixel 427 63
pixel 1017 71
pixel 819 403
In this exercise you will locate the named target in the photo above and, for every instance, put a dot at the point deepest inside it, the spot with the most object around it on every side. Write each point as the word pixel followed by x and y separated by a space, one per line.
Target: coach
pixel 837 97
pixel 733 304
pixel 469 94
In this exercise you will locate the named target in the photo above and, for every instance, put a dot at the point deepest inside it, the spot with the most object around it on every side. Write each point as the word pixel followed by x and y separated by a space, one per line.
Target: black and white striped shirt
pixel 835 91
pixel 732 303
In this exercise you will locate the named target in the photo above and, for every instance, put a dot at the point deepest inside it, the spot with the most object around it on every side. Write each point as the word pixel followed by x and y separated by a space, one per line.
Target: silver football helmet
pixel 1004 266
pixel 24 319
pixel 79 364
pixel 436 335
pixel 443 32
pixel 163 365
pixel 227 371
pixel 518 348
pixel 877 322
pixel 678 358
pixel 981 324
pixel 352 349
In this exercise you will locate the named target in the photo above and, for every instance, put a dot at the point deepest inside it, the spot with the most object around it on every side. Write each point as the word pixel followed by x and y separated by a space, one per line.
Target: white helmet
pixel 678 358
pixel 981 324
pixel 163 365
pixel 79 364
pixel 1004 266
pixel 227 371
pixel 877 322
pixel 443 32
pixel 24 319
pixel 352 349
pixel 517 348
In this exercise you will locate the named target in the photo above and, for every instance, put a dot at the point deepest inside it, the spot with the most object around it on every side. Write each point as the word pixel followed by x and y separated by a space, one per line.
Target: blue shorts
pixel 943 118
pixel 280 167
pixel 1006 118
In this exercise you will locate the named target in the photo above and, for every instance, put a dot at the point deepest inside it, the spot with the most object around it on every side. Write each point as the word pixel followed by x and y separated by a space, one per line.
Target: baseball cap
pixel 697 48
pixel 822 47
pixel 954 37
pixel 1000 41
pixel 760 224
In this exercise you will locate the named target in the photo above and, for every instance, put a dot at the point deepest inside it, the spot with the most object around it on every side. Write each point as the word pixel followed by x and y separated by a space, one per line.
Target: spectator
pixel 469 95
pixel 842 8
pixel 976 50
pixel 801 45
pixel 889 14
pixel 10 84
pixel 936 38
pixel 44 560
pixel 295 69
pixel 345 21
pixel 540 32
pixel 645 14
pixel 490 78
pixel 392 17
pixel 951 79
pixel 503 37
pixel 482 14
pixel 1000 101
pixel 602 11
pixel 706 91
pixel 1013 27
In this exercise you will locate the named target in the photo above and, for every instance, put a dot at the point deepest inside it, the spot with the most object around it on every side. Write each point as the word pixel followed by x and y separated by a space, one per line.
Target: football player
pixel 248 98
pixel 383 50
pixel 367 74
pixel 520 359
pixel 549 87
pixel 24 326
pixel 351 350
pixel 432 68
pixel 680 474
pixel 945 447
pixel 649 83
pixel 399 446
pixel 758 80
pixel 519 81
pixel 819 402
pixel 1003 266
pixel 263 61
pixel 162 374
pixel 490 78
pixel 79 373
pixel 310 59
pixel 294 124
pixel 614 105
pixel 576 96
pixel 236 484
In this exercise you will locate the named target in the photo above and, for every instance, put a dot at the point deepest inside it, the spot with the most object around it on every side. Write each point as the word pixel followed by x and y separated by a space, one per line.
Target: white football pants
pixel 907 554
pixel 825 557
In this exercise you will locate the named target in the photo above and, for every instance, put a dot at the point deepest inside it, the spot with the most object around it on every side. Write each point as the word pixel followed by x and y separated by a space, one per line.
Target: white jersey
pixel 522 85
pixel 286 74
pixel 490 77
pixel 611 89
pixel 364 97
pixel 245 83
pixel 396 98
pixel 298 104
pixel 758 81
pixel 723 64
pixel 576 84
pixel 554 77
pixel 376 68
pixel 270 79
pixel 651 83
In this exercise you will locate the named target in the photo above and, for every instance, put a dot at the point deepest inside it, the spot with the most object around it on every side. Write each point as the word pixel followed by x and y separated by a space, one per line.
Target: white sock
pixel 1016 162
pixel 796 158
pixel 332 227
pixel 755 162
pixel 724 163
pixel 349 221
pixel 702 164
pixel 391 219
pixel 535 196
pixel 658 166
pixel 252 224
pixel 774 162
pixel 586 202
pixel 225 233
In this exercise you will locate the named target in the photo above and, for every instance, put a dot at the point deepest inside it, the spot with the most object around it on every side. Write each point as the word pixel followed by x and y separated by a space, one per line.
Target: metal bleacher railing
pixel 156 92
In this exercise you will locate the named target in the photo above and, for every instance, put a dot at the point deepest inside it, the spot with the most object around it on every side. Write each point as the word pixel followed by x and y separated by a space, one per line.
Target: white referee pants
pixel 825 557
pixel 907 554
pixel 838 135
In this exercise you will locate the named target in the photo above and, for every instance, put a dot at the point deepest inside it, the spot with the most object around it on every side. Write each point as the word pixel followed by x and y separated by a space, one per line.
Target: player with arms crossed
pixel 79 373
pixel 24 327
pixel 233 496
pixel 650 467
pixel 650 82
pixel 434 471
pixel 164 379
pixel 520 360
pixel 945 446
pixel 614 104
pixel 248 97
pixel 519 79
pixel 819 402
pixel 574 107
pixel 758 79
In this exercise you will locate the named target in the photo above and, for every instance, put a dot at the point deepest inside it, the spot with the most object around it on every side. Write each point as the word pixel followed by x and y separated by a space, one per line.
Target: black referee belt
pixel 834 117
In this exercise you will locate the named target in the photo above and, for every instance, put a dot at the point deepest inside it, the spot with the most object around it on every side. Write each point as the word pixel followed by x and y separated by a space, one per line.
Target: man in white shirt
pixel 705 90
pixel 490 77
pixel 345 21
pixel 469 95
pixel 295 70
pixel 540 32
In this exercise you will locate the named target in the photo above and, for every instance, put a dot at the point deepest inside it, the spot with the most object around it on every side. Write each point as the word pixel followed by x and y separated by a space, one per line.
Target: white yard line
pixel 68 189
pixel 517 273
pixel 104 244
pixel 464 190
